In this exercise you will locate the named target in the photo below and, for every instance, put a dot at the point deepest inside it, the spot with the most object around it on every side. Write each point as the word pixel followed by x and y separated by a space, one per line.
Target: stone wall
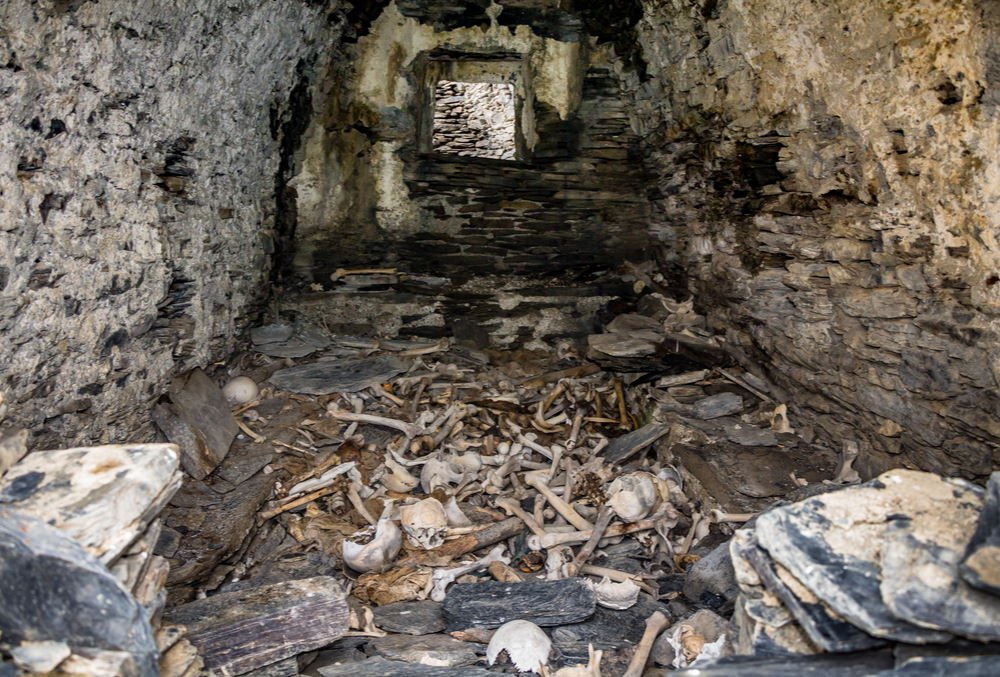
pixel 475 119
pixel 829 179
pixel 141 145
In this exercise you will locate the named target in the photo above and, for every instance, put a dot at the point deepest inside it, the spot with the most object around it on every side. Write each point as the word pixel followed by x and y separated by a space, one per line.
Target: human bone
pixel 240 390
pixel 635 496
pixel 375 546
pixel 425 523
pixel 613 595
pixel 526 645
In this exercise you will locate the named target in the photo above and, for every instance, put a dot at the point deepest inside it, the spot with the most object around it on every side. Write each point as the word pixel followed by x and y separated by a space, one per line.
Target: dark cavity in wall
pixel 289 133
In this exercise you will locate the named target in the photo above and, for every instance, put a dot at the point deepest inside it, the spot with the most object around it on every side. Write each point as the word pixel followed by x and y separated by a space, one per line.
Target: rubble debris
pixel 492 604
pixel 197 419
pixel 380 667
pixel 236 632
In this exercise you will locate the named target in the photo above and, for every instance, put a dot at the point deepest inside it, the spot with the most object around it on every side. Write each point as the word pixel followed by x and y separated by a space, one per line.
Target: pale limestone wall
pixel 830 180
pixel 140 144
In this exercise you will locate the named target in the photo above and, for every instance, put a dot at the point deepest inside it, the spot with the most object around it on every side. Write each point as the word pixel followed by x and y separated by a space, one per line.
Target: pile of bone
pixel 909 557
pixel 81 592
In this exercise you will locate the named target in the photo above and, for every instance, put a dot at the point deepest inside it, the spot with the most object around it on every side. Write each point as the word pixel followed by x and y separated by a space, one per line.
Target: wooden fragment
pixel 552 376
pixel 236 632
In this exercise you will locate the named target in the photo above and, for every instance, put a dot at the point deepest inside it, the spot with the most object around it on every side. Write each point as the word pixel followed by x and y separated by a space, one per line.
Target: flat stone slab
pixel 714 406
pixel 544 603
pixel 435 650
pixel 981 566
pixel 825 628
pixel 920 576
pixel 237 632
pixel 52 589
pixel 751 436
pixel 103 497
pixel 338 376
pixel 622 448
pixel 199 421
pixel 832 543
pixel 380 667
pixel 410 618
pixel 608 630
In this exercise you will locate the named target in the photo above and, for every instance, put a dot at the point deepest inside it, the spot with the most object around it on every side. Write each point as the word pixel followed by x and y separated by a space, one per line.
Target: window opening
pixel 475 119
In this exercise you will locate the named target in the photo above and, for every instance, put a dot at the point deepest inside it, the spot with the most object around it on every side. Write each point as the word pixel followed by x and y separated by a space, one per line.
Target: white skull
pixel 636 495
pixel 526 645
pixel 425 523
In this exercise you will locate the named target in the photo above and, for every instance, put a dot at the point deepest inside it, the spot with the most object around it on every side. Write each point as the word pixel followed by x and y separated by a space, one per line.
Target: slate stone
pixel 236 632
pixel 981 565
pixel 288 667
pixel 948 666
pixel 199 421
pixel 827 630
pixel 832 543
pixel 244 461
pixel 380 667
pixel 103 497
pixel 544 603
pixel 624 447
pixel 826 665
pixel 437 650
pixel 920 578
pixel 607 630
pixel 751 436
pixel 271 333
pixel 713 574
pixel 410 618
pixel 340 376
pixel 53 589
pixel 714 406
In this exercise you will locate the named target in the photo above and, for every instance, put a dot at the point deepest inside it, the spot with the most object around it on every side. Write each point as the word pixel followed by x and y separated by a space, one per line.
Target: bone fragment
pixel 488 535
pixel 407 429
pixel 655 624
pixel 551 538
pixel 562 507
pixel 600 526
pixel 512 507
pixel 718 516
pixel 442 578
pixel 344 272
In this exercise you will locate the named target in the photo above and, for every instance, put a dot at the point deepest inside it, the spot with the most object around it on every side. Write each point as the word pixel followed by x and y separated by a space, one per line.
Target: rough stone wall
pixel 140 150
pixel 829 178
pixel 475 119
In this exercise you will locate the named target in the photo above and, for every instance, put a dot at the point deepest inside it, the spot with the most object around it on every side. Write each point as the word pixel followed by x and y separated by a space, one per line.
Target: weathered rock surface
pixel 434 650
pixel 713 574
pixel 714 406
pixel 236 632
pixel 141 203
pixel 544 603
pixel 338 375
pixel 54 590
pixel 380 667
pixel 199 421
pixel 832 543
pixel 104 497
pixel 826 132
pixel 410 618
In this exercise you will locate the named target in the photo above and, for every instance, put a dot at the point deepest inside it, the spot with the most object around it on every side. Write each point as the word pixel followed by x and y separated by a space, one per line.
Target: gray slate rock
pixel 981 566
pixel 608 630
pixel 437 650
pixel 340 376
pixel 948 666
pixel 544 603
pixel 827 630
pixel 622 448
pixel 751 436
pixel 236 632
pixel 199 421
pixel 832 543
pixel 380 667
pixel 714 406
pixel 410 618
pixel 920 578
pixel 826 665
pixel 713 574
pixel 53 589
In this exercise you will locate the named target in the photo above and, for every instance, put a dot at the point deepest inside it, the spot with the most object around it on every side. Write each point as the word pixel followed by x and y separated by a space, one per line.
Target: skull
pixel 425 523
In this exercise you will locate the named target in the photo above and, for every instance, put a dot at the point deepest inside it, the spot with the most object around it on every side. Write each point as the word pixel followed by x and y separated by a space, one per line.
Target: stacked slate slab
pixel 871 565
